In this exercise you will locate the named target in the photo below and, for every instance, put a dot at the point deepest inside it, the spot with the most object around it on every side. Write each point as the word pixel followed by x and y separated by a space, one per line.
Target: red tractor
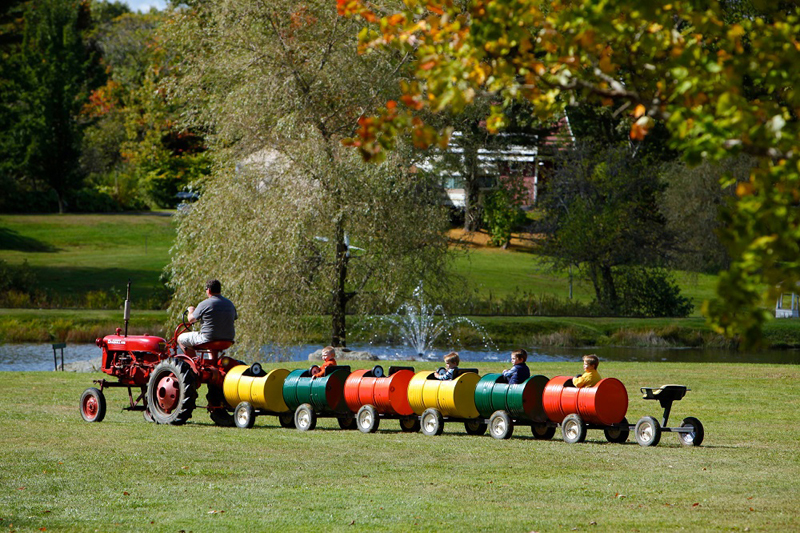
pixel 168 380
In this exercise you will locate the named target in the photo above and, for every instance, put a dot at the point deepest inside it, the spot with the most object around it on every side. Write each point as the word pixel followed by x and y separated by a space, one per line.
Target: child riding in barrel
pixel 590 377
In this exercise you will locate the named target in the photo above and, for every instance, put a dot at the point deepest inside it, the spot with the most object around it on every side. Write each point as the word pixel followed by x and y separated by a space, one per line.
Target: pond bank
pixel 84 326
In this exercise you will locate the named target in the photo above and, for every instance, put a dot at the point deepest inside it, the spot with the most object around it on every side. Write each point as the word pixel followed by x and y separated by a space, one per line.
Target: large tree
pixel 721 75
pixel 600 213
pixel 55 64
pixel 292 223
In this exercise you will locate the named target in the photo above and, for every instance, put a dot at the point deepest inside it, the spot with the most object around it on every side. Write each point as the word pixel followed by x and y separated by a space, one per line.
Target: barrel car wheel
pixel 286 420
pixel 244 415
pixel 218 408
pixel 346 422
pixel 648 431
pixel 171 394
pixel 367 419
pixel 618 434
pixel 543 431
pixel 93 405
pixel 409 425
pixel 475 427
pixel 695 438
pixel 500 425
pixel 305 419
pixel 432 422
pixel 573 429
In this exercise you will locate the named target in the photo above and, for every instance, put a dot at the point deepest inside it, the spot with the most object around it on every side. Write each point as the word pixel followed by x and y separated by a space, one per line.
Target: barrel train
pixel 238 393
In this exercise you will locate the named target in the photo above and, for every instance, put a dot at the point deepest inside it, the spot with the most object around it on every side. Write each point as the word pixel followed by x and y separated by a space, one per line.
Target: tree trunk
pixel 340 297
pixel 609 290
pixel 472 220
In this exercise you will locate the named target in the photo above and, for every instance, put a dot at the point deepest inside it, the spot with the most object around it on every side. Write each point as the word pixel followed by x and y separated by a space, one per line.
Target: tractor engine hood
pixel 133 343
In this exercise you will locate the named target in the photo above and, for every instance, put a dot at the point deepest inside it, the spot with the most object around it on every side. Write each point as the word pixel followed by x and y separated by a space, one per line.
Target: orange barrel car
pixel 255 392
pixel 373 396
pixel 438 401
pixel 602 406
pixel 505 405
pixel 311 398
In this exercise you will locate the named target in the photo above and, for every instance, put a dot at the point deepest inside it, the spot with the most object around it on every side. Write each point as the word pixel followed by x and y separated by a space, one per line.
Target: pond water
pixel 27 357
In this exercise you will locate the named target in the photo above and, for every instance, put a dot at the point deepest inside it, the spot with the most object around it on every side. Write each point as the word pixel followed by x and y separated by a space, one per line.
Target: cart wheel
pixel 346 422
pixel 244 415
pixel 286 420
pixel 573 429
pixel 475 427
pixel 500 425
pixel 219 415
pixel 695 438
pixel 377 371
pixel 257 370
pixel 367 418
pixel 93 405
pixel 409 425
pixel 543 431
pixel 618 434
pixel 648 431
pixel 305 419
pixel 432 422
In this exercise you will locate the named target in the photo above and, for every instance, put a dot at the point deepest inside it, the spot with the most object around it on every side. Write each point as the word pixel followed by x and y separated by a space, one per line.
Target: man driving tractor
pixel 217 315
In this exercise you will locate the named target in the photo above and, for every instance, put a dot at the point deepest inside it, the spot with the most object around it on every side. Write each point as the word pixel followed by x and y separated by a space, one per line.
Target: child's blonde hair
pixel 521 354
pixel 452 358
pixel 592 360
pixel 329 349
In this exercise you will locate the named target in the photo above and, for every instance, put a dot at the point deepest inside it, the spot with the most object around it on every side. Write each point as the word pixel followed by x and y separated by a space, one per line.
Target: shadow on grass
pixel 11 240
pixel 69 280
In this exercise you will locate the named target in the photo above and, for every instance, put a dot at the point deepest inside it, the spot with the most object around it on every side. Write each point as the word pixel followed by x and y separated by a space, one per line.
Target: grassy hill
pixel 89 258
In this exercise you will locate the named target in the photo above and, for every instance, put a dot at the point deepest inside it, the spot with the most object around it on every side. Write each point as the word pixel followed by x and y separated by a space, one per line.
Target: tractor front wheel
pixel 171 394
pixel 93 405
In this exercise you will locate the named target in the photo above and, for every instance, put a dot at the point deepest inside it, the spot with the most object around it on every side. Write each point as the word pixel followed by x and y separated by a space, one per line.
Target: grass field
pixel 81 253
pixel 62 474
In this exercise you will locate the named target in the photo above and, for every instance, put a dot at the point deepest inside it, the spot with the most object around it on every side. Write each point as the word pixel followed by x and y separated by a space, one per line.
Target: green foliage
pixel 18 277
pixel 650 292
pixel 502 211
pixel 601 212
pixel 720 75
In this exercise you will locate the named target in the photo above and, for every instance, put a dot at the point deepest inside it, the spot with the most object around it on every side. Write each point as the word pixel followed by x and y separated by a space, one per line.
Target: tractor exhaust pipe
pixel 127 312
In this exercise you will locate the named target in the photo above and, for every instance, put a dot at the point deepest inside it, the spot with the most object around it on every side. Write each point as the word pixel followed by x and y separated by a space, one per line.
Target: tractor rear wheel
pixel 171 394
pixel 93 405
pixel 219 415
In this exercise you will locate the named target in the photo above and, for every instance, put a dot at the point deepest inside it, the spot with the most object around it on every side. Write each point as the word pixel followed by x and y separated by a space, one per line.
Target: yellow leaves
pixel 639 111
pixel 605 61
pixel 736 32
pixel 641 128
pixel 744 189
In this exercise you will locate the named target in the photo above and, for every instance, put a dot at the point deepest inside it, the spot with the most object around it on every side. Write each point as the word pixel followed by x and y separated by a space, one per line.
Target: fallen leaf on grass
pixel 42 529
pixel 21 488
pixel 214 511
pixel 592 523
pixel 354 522
pixel 126 493
pixel 752 509
pixel 695 504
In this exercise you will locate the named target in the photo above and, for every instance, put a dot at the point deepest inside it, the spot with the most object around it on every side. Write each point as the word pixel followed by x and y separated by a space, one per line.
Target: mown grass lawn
pixel 61 474
pixel 81 253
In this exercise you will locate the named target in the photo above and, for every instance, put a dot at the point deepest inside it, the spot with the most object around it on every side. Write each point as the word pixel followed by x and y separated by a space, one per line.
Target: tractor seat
pixel 214 346
pixel 668 393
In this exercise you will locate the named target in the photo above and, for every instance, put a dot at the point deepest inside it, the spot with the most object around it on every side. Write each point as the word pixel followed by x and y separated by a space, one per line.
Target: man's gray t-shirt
pixel 217 315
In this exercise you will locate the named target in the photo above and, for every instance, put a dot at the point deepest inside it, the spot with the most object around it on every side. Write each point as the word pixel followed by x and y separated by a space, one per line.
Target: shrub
pixel 650 292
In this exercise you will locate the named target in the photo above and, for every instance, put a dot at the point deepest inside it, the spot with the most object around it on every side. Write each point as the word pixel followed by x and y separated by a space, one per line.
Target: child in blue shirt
pixel 520 371
pixel 451 361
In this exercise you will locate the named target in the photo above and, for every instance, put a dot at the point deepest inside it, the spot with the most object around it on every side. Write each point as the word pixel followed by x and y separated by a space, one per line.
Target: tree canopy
pixel 720 75
pixel 291 222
